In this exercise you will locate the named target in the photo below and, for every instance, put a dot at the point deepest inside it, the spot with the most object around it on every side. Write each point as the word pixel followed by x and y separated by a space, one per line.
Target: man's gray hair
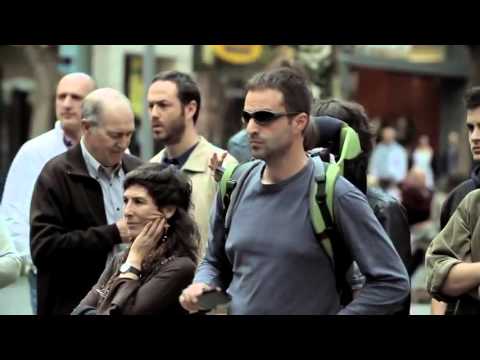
pixel 91 111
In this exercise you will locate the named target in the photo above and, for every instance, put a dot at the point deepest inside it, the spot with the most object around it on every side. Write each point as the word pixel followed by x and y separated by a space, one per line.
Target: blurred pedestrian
pixel 422 157
pixel 389 162
pixel 405 131
pixel 416 196
pixel 239 147
pixel 31 158
pixel 450 158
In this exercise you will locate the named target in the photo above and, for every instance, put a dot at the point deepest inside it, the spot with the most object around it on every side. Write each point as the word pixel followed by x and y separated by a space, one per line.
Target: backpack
pixel 320 199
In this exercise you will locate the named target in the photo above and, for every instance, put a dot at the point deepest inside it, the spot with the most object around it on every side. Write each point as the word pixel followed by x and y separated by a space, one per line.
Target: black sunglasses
pixel 263 117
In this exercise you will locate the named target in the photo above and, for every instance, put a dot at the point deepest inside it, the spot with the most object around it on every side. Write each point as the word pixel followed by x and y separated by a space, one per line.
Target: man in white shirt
pixel 389 162
pixel 31 158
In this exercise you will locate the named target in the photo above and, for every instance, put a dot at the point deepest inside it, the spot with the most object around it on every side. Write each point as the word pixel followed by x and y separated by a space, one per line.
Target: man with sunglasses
pixel 174 103
pixel 270 261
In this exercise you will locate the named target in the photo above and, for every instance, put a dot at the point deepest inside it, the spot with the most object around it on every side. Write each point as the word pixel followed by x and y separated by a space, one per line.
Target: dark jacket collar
pixel 475 174
pixel 76 163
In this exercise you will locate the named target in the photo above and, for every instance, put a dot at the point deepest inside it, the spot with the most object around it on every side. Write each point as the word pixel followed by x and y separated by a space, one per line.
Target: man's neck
pixel 72 136
pixel 288 165
pixel 110 169
pixel 189 139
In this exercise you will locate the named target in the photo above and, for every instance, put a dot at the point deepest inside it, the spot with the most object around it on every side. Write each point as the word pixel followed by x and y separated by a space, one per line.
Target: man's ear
pixel 169 211
pixel 191 109
pixel 85 125
pixel 301 122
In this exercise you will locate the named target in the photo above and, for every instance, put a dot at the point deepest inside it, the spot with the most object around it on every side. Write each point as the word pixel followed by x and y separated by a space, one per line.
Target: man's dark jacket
pixel 69 238
pixel 393 217
pixel 458 194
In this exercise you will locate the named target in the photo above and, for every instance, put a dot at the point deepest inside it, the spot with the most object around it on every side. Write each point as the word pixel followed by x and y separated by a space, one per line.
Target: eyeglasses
pixel 263 117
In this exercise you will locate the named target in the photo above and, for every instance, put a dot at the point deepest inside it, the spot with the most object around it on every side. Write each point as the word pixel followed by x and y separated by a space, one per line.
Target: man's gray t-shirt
pixel 276 264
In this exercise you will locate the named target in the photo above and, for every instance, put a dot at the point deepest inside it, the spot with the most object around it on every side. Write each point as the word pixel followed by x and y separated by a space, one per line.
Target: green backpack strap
pixel 349 144
pixel 227 184
pixel 321 212
pixel 321 201
pixel 232 180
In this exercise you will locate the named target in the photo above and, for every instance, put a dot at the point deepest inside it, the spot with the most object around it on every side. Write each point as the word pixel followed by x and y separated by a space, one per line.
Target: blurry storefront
pixel 26 96
pixel 223 70
pixel 420 86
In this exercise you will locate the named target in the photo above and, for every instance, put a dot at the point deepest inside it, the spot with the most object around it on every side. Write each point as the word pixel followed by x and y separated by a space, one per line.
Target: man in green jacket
pixel 453 259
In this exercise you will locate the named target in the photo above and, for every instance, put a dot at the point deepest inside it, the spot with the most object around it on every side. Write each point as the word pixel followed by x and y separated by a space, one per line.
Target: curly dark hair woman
pixel 148 277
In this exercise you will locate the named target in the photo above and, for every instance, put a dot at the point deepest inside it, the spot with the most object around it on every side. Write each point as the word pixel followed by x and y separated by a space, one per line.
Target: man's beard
pixel 174 134
pixel 268 153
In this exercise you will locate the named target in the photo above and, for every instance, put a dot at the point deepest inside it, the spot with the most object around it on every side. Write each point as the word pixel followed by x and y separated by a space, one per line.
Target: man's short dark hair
pixel 293 86
pixel 472 98
pixel 187 88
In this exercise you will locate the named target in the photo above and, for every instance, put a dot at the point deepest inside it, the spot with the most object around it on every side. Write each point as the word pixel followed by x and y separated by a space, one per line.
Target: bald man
pixel 31 158
pixel 77 204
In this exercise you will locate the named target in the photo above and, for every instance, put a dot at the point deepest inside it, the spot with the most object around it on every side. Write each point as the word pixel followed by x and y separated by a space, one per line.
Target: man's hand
pixel 216 165
pixel 189 297
pixel 123 230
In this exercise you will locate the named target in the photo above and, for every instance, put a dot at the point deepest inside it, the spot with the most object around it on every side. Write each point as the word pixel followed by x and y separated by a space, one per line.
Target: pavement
pixel 15 299
pixel 420 298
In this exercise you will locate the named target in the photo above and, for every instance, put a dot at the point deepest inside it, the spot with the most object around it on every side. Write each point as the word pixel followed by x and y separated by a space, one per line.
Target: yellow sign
pixel 238 54
pixel 135 90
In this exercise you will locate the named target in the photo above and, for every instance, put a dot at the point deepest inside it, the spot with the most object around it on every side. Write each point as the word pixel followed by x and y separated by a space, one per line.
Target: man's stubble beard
pixel 175 133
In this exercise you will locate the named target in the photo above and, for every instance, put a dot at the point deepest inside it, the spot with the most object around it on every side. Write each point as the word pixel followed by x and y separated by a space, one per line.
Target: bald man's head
pixel 107 124
pixel 103 101
pixel 71 91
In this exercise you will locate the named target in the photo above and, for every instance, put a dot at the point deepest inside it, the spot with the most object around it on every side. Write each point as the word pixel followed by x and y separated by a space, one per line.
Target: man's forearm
pixel 462 278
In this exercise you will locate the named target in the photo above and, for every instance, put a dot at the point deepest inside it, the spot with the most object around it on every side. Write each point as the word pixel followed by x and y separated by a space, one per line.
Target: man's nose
pixel 251 126
pixel 124 141
pixel 127 209
pixel 67 101
pixel 154 112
